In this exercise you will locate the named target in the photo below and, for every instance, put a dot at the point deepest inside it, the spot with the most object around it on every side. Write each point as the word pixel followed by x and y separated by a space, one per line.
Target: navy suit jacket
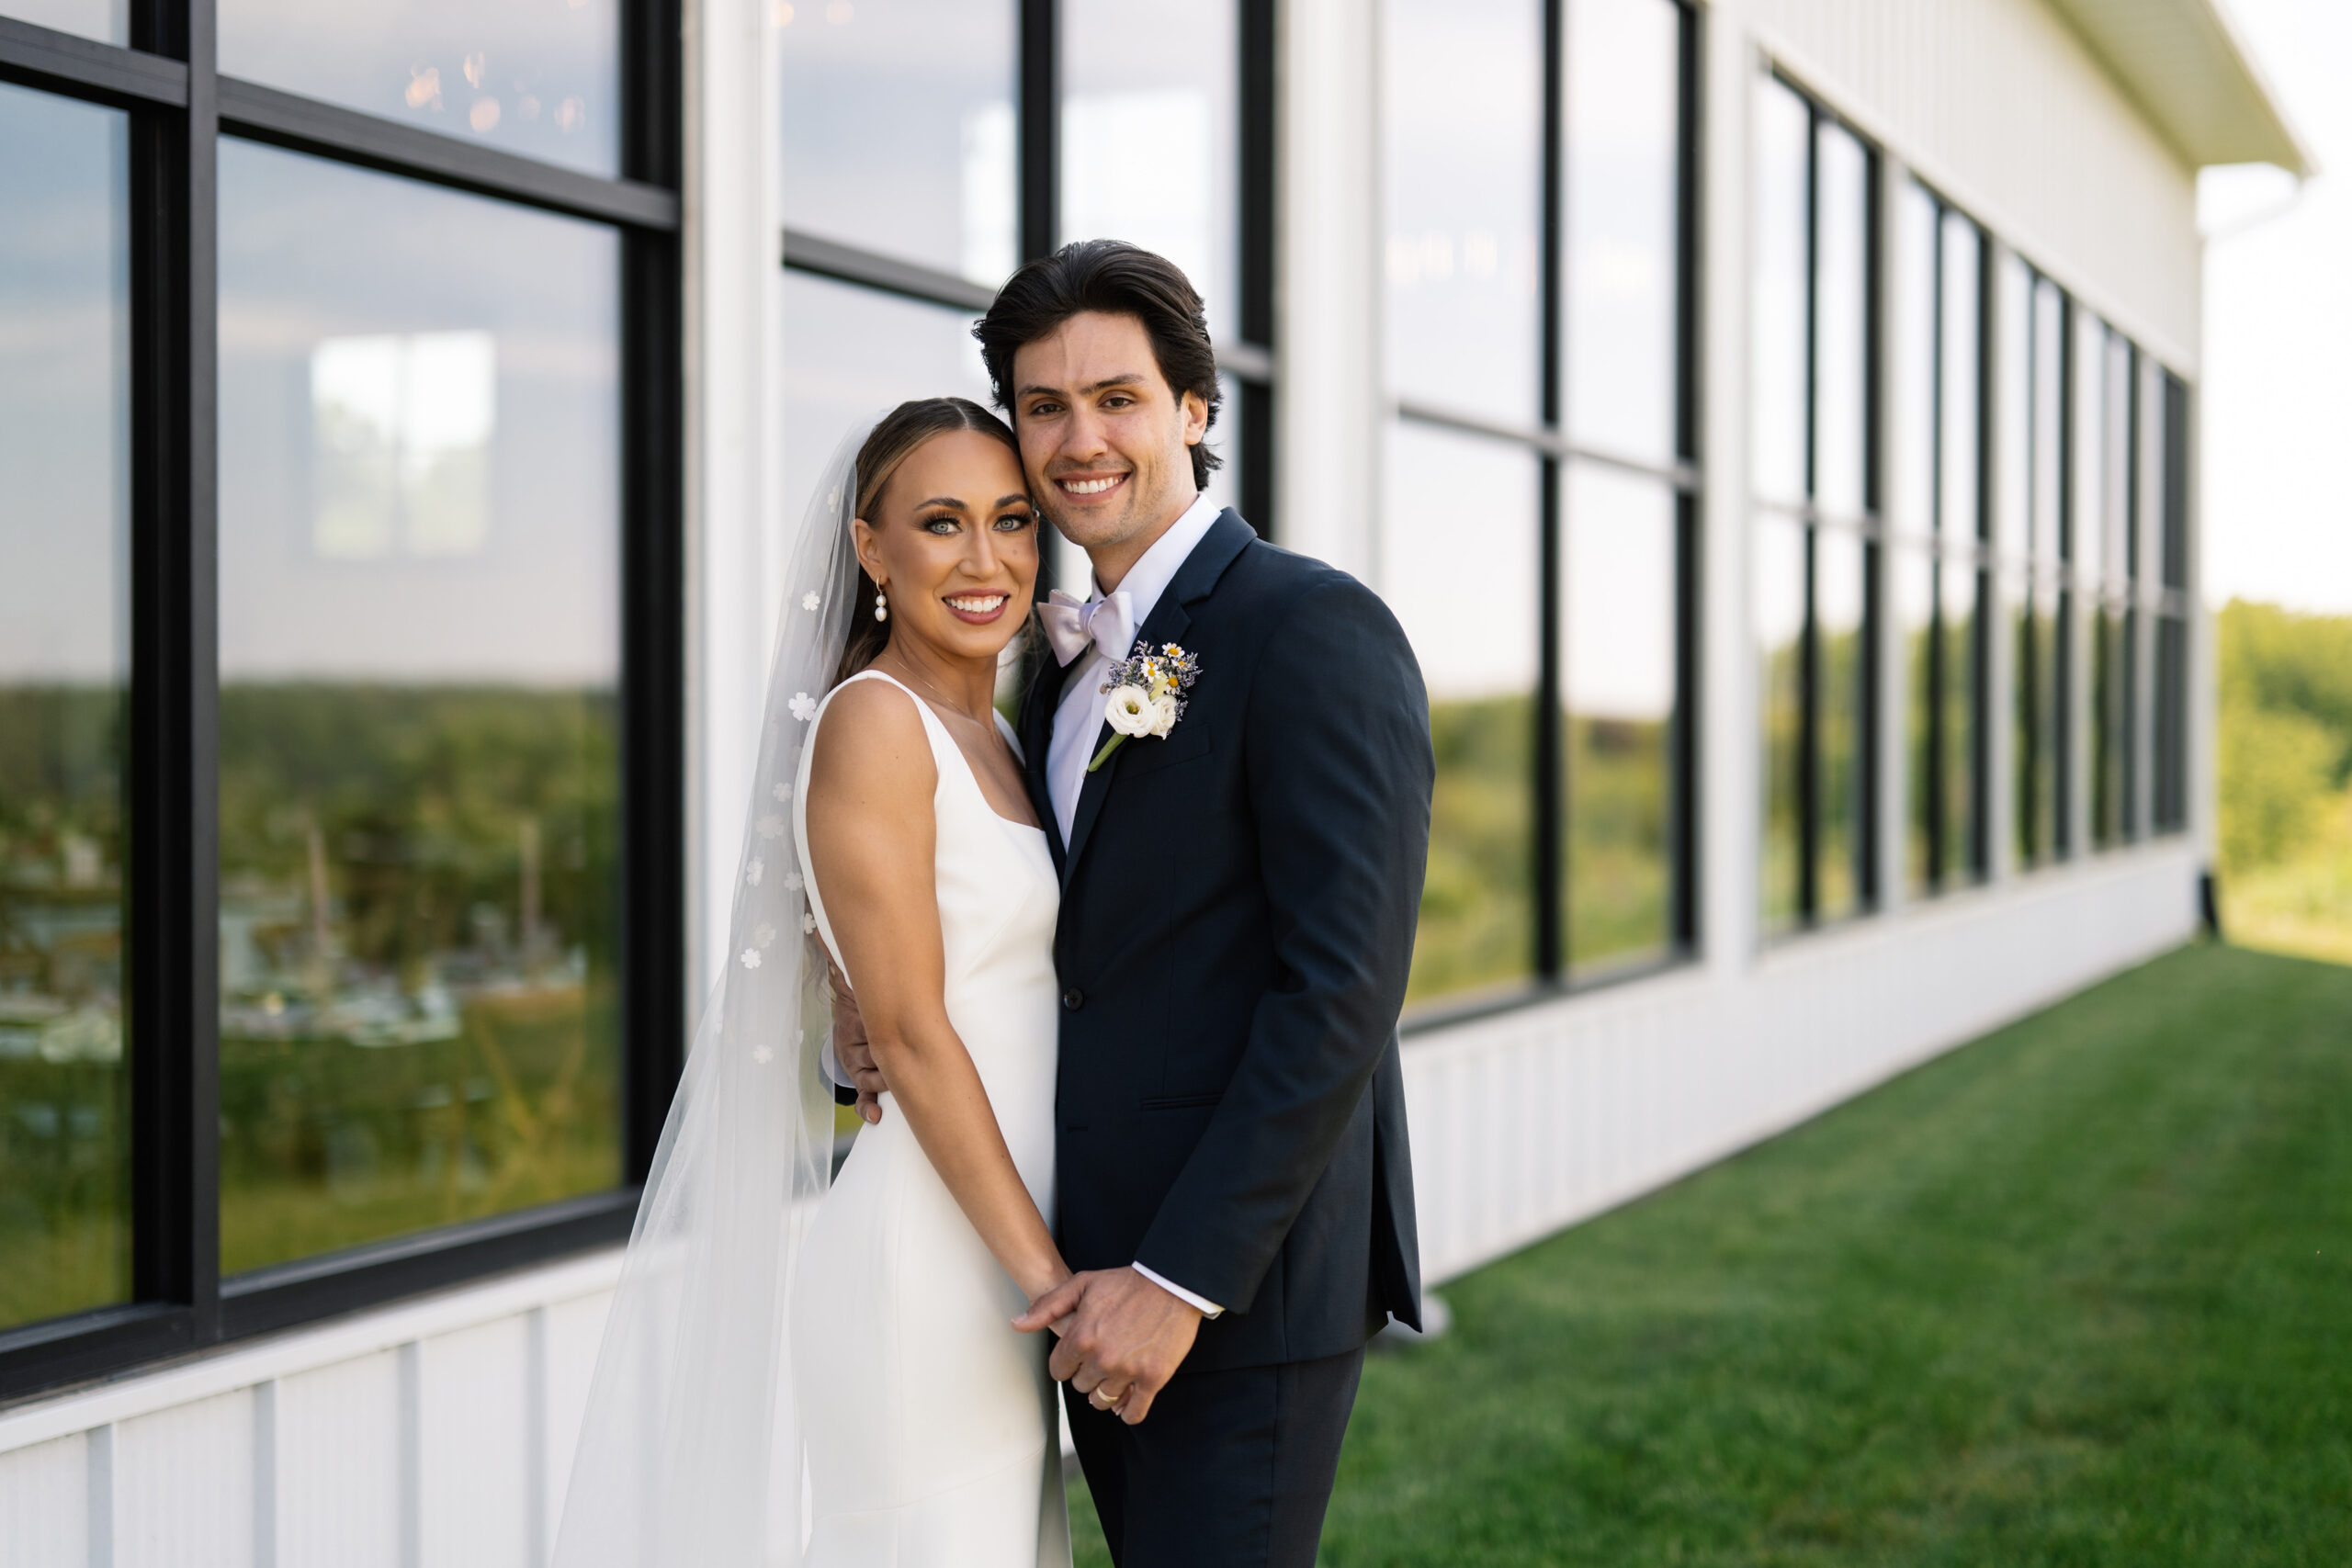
pixel 1239 902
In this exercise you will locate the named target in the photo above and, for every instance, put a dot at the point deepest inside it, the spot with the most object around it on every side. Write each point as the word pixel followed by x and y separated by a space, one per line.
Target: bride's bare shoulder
pixel 871 746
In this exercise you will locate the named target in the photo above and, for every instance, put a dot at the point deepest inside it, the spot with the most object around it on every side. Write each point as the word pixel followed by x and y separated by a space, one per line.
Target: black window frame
pixel 1249 362
pixel 1554 449
pixel 1870 527
pixel 179 108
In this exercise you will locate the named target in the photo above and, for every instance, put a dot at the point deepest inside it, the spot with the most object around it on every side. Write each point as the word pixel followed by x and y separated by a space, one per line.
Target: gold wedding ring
pixel 1100 1403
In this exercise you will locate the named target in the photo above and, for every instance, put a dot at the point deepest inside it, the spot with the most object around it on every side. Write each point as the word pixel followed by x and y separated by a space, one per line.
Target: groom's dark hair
pixel 1117 279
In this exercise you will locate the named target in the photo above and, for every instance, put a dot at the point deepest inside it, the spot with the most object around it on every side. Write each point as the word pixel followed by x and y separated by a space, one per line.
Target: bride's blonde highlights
pixel 901 433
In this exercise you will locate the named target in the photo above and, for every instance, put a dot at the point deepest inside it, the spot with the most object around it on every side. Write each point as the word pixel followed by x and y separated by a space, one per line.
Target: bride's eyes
pixel 1013 522
pixel 943 524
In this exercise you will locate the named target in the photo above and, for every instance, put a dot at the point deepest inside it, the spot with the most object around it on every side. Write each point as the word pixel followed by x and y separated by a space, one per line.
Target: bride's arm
pixel 872 836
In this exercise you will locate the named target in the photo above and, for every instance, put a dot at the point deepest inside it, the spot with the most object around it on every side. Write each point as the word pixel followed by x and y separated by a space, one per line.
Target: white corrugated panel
pixel 473 1443
pixel 337 1439
pixel 184 1486
pixel 45 1505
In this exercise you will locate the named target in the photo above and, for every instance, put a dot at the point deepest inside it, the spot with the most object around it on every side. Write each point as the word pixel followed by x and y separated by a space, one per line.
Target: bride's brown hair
pixel 901 433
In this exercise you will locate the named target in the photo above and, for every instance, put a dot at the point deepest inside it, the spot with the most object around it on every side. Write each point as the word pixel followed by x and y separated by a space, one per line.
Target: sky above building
pixel 2278 378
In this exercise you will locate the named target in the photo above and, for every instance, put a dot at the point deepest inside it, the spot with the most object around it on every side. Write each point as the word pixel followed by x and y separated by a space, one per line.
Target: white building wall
pixel 440 1432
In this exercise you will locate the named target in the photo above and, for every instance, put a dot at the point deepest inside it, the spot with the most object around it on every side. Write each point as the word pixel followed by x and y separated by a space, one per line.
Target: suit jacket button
pixel 1073 998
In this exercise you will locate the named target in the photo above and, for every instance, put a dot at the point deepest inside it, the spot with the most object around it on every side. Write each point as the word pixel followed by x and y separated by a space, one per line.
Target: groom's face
pixel 1105 440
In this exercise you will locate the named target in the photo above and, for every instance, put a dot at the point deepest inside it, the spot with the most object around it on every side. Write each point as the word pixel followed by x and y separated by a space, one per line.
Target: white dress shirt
pixel 1079 719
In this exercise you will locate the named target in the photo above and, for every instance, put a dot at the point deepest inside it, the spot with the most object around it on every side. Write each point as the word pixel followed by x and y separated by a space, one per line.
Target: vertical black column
pixel 1550 782
pixel 1809 640
pixel 652 963
pixel 174 732
pixel 1684 762
pixel 1255 416
pixel 1040 129
pixel 1876 556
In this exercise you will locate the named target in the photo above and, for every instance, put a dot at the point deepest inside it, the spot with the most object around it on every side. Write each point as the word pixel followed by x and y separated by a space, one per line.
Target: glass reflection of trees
pixel 65 472
pixel 419 734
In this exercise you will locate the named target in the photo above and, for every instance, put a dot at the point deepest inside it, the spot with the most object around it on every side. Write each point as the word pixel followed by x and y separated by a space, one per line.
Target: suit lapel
pixel 1226 539
pixel 1036 732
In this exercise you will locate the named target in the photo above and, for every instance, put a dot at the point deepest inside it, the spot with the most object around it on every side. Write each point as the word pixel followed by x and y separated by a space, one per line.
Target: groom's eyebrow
pixel 1123 378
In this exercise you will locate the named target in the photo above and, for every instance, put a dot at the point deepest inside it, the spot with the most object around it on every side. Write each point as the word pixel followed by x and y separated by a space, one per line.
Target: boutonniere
pixel 1146 696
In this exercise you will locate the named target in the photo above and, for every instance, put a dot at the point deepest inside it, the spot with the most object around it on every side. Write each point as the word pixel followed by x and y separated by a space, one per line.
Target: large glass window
pixel 1462 558
pixel 1815 428
pixel 420 671
pixel 899 131
pixel 341 625
pixel 2169 813
pixel 66 1134
pixel 2038 430
pixel 1559 847
pixel 929 149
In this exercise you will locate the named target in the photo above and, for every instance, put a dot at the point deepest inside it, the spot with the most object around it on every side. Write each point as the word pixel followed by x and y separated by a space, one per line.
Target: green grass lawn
pixel 2080 1293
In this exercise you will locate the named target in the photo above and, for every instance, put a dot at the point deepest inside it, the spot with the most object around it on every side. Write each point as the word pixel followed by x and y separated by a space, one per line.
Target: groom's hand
pixel 1122 1338
pixel 851 1049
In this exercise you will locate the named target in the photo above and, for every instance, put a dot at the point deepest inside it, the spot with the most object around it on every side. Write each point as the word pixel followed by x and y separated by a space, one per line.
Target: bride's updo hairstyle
pixel 902 433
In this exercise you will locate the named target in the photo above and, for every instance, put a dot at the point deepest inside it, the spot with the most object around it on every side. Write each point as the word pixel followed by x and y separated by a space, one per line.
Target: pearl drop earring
pixel 881 606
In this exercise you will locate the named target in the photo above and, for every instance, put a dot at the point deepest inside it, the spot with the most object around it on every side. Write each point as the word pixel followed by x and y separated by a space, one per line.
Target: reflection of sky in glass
pixel 419 471
pixel 899 131
pixel 109 21
pixel 1461 120
pixel 1776 319
pixel 1624 93
pixel 1911 440
pixel 1618 609
pixel 1148 135
pixel 2013 414
pixel 1458 561
pixel 1963 264
pixel 1842 305
pixel 539 78
pixel 2049 417
pixel 64 398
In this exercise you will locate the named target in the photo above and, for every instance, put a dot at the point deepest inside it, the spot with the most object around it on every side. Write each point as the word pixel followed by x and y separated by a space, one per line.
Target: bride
pixel 792 1375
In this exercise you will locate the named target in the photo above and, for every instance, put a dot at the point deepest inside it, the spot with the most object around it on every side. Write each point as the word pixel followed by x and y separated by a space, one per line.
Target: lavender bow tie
pixel 1072 627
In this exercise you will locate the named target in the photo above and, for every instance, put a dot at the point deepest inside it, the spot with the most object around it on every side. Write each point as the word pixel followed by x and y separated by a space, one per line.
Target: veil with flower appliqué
pixel 690 1451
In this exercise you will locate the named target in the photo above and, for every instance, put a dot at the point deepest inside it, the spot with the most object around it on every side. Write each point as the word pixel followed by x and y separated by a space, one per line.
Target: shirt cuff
pixel 830 1066
pixel 1206 1308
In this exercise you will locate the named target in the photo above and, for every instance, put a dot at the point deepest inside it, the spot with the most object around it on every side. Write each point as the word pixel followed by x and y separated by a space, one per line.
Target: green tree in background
pixel 2286 779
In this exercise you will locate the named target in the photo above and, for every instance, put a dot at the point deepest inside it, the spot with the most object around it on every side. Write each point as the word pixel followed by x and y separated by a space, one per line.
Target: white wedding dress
pixel 931 1428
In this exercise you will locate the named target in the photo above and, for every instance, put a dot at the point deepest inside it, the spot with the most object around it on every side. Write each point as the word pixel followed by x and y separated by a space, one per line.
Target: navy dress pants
pixel 1230 1469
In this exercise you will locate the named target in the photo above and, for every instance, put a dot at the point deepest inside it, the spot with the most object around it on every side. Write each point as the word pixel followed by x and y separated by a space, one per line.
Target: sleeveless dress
pixel 932 1426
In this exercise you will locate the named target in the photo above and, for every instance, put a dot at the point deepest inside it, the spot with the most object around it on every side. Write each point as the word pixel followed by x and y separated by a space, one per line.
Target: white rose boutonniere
pixel 1146 696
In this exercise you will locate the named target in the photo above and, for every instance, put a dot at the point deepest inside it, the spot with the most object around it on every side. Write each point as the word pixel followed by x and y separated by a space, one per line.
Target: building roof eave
pixel 2185 67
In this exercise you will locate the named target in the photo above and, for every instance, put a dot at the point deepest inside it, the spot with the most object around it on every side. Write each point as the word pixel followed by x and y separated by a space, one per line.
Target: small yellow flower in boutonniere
pixel 1146 696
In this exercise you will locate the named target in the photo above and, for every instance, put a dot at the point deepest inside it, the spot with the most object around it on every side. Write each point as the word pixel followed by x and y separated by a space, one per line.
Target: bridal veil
pixel 689 1451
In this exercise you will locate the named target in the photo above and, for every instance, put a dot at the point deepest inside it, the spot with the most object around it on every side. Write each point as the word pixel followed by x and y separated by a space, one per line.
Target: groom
pixel 1238 899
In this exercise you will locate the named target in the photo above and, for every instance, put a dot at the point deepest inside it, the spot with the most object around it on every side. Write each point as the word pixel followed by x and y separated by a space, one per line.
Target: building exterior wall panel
pixel 183 1487
pixel 336 1487
pixel 45 1500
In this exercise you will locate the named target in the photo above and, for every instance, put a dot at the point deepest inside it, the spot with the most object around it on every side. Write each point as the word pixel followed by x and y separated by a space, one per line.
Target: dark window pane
pixel 109 21
pixel 2106 756
pixel 2172 725
pixel 1618 676
pixel 2033 630
pixel 1960 368
pixel 1464 124
pixel 2176 495
pixel 64 673
pixel 1149 136
pixel 419 669
pixel 1459 565
pixel 1960 598
pixel 1914 583
pixel 2113 561
pixel 1780 612
pixel 1777 318
pixel 1841 312
pixel 1839 595
pixel 1623 226
pixel 899 132
pixel 537 77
